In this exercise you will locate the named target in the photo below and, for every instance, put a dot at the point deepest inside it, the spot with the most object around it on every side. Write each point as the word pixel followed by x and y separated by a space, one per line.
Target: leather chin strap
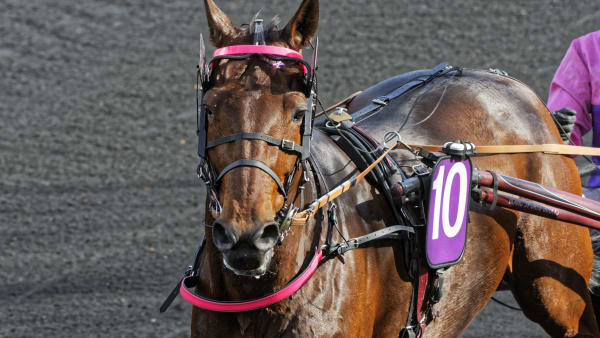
pixel 253 163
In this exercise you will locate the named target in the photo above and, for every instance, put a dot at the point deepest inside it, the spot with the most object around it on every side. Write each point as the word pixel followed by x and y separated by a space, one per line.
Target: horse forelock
pixel 273 25
pixel 244 34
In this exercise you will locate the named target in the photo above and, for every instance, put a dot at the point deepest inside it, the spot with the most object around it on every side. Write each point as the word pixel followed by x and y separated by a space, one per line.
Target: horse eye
pixel 299 115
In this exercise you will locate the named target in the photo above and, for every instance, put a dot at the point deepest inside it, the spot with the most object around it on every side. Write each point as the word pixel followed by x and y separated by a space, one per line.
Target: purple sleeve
pixel 571 88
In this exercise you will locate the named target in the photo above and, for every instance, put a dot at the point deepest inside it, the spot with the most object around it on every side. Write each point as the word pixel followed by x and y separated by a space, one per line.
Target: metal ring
pixel 328 124
pixel 387 138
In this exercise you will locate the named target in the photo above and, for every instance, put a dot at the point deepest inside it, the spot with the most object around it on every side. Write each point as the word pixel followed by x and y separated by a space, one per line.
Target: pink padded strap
pixel 226 306
pixel 257 49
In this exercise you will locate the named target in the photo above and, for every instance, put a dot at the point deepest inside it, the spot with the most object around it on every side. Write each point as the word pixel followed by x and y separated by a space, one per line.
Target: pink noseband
pixel 241 306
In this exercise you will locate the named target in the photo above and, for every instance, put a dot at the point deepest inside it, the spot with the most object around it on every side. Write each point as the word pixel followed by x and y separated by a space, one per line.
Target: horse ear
pixel 219 24
pixel 303 26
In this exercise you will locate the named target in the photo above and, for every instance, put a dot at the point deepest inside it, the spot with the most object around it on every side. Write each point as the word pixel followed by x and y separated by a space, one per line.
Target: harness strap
pixel 256 164
pixel 192 270
pixel 302 217
pixel 339 104
pixel 423 278
pixel 201 129
pixel 354 243
pixel 283 144
pixel 557 149
pixel 309 119
pixel 382 101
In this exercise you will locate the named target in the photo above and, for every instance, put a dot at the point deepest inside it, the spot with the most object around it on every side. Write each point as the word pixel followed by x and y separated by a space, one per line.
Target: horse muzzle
pixel 249 253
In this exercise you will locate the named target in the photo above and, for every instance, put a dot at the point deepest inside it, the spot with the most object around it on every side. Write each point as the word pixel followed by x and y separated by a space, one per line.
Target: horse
pixel 367 292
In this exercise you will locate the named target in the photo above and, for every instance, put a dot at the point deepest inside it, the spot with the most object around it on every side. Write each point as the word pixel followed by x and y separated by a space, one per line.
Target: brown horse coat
pixel 547 264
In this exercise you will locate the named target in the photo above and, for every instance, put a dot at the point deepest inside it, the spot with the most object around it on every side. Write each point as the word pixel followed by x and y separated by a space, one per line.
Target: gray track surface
pixel 100 209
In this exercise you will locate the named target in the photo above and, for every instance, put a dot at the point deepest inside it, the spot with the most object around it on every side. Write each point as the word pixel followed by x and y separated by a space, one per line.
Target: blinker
pixel 203 69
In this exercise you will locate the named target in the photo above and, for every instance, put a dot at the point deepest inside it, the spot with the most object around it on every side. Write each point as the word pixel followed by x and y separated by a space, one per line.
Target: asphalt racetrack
pixel 100 208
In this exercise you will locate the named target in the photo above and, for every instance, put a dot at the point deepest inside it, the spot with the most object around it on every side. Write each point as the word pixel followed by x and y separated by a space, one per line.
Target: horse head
pixel 255 95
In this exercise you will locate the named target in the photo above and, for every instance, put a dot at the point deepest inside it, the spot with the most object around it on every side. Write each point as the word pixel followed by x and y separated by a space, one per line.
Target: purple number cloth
pixel 447 249
pixel 576 85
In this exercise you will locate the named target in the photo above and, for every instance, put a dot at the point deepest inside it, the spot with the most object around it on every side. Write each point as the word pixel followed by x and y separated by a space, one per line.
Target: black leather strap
pixel 201 131
pixel 192 270
pixel 309 119
pixel 354 243
pixel 382 101
pixel 256 164
pixel 283 144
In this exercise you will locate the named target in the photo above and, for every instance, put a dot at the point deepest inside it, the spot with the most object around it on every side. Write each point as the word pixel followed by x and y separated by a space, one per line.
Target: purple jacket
pixel 576 85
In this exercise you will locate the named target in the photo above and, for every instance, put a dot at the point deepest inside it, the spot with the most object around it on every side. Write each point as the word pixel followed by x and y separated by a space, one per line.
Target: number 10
pixel 445 200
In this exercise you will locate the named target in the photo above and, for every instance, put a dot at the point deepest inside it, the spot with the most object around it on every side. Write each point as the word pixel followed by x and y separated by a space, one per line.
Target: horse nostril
pixel 268 236
pixel 223 237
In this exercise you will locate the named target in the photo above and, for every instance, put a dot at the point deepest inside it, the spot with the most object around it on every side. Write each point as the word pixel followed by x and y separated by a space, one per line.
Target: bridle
pixel 288 214
pixel 206 170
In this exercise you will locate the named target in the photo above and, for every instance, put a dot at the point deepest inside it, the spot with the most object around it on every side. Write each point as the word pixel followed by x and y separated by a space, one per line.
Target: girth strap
pixel 283 144
pixel 256 164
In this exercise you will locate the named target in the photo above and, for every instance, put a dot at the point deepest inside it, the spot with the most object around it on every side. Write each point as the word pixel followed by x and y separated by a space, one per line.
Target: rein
pixel 304 216
pixel 554 149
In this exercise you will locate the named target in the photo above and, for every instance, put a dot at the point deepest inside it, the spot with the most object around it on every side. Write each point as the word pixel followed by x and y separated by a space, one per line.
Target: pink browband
pixel 241 306
pixel 258 49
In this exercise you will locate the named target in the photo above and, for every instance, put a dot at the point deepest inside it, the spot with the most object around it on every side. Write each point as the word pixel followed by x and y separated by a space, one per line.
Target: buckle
pixel 202 173
pixel 382 101
pixel 420 170
pixel 213 202
pixel 287 145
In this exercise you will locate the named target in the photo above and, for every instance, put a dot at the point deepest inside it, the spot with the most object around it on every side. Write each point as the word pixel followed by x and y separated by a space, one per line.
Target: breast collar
pixel 206 171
